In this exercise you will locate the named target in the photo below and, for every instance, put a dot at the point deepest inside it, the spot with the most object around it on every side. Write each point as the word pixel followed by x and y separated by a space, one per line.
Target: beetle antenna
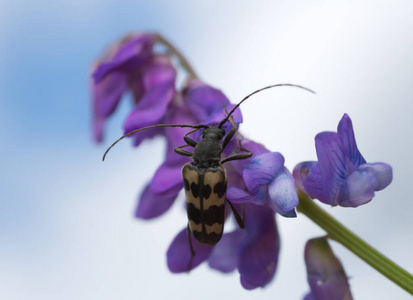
pixel 150 127
pixel 257 91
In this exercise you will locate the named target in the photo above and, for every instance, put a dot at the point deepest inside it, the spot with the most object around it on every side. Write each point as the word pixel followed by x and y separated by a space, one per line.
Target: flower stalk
pixel 184 63
pixel 337 232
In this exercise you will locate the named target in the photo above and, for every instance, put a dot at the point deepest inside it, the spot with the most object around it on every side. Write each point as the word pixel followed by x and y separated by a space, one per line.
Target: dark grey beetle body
pixel 205 183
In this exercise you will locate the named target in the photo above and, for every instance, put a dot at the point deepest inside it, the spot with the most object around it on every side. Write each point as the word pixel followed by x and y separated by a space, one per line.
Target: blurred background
pixel 66 219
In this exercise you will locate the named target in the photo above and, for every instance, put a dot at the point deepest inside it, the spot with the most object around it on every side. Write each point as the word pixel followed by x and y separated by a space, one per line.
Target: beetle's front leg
pixel 190 141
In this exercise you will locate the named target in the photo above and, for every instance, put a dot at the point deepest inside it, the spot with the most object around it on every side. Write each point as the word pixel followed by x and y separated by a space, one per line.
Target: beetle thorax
pixel 208 151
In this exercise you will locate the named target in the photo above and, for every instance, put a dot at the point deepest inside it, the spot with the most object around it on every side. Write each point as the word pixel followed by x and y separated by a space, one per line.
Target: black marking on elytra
pixel 220 189
pixel 195 189
pixel 207 238
pixel 214 214
pixel 206 191
pixel 186 184
pixel 193 213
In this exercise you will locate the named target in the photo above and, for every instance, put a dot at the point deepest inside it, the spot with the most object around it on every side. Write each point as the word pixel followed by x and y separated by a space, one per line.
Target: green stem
pixel 336 231
pixel 184 63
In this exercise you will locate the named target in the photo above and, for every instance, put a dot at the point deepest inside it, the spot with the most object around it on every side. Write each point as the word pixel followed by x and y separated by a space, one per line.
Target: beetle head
pixel 214 132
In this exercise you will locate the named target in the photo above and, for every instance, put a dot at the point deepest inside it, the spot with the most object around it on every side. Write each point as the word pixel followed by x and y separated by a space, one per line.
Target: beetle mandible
pixel 205 179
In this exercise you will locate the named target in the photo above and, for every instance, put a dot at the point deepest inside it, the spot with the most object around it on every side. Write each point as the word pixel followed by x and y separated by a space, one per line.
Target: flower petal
pixel 358 189
pixel 283 197
pixel 224 255
pixel 221 113
pixel 146 134
pixel 246 284
pixel 258 253
pixel 179 254
pixel 107 93
pixel 159 71
pixel 151 109
pixel 346 134
pixel 177 115
pixel 309 296
pixel 236 195
pixel 234 178
pixel 308 178
pixel 151 206
pixel 203 100
pixel 256 149
pixel 130 55
pixel 381 171
pixel 261 170
pixel 167 179
pixel 325 273
pixel 288 214
pixel 97 129
pixel 332 163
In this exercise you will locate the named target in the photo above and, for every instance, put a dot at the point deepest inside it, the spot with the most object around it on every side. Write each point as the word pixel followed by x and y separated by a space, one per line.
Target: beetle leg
pixel 245 155
pixel 231 133
pixel 190 141
pixel 237 157
pixel 240 220
pixel 191 248
pixel 182 152
pixel 228 138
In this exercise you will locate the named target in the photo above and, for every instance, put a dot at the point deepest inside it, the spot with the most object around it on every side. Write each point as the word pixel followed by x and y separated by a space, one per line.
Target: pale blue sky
pixel 66 226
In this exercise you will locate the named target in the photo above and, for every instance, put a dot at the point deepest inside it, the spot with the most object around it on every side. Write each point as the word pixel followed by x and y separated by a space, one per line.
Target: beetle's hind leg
pixel 191 248
pixel 190 141
pixel 240 220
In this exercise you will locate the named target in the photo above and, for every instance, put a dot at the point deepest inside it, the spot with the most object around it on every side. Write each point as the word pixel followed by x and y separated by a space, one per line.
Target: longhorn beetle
pixel 205 179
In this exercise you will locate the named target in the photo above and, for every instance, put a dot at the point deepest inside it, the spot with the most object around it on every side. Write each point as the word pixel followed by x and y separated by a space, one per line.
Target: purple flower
pixel 325 274
pixel 203 100
pixel 131 65
pixel 267 181
pixel 157 92
pixel 341 176
pixel 253 251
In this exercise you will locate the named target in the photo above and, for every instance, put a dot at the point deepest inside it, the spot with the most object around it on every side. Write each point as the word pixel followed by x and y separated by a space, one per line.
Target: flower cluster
pixel 261 185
